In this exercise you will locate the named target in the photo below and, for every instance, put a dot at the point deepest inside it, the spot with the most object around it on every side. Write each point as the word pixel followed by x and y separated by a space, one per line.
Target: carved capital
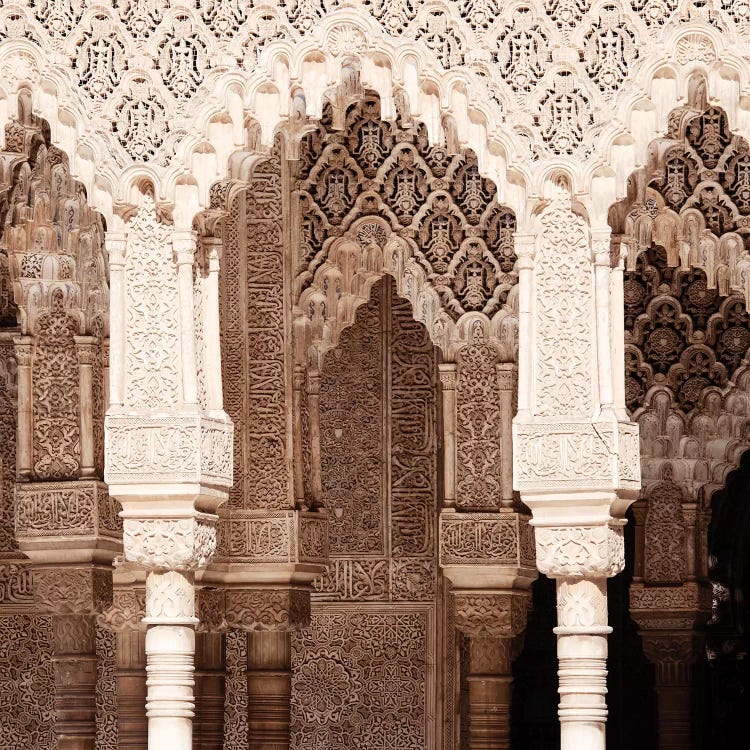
pixel 588 551
pixel 497 614
pixel 448 376
pixel 582 606
pixel 72 591
pixel 174 449
pixel 87 350
pixel 170 598
pixel 664 648
pixel 268 609
pixel 127 611
pixel 170 543
pixel 211 605
pixel 23 348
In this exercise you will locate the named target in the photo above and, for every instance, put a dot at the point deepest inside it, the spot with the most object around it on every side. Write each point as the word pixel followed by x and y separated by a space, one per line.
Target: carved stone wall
pixel 365 672
pixel 27 713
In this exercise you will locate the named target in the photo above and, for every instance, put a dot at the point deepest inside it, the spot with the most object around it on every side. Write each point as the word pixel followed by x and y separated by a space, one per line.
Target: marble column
pixel 576 460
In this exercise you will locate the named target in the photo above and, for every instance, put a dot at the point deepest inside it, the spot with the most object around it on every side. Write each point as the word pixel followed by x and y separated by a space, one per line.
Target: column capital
pixel 580 550
pixel 72 591
pixel 170 543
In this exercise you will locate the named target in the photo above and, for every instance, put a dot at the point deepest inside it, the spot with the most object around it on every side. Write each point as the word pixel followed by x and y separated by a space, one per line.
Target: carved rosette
pixel 580 551
pixel 170 543
pixel 489 613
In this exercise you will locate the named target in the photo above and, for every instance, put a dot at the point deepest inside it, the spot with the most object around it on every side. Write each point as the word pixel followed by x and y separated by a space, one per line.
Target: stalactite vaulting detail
pixel 438 202
pixel 144 71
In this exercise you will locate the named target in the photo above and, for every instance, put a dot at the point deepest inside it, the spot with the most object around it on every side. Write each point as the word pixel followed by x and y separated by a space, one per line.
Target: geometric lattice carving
pixel 375 692
pixel 27 683
pixel 439 202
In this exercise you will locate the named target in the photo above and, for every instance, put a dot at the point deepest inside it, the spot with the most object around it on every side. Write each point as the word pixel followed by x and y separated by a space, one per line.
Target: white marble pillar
pixel 576 461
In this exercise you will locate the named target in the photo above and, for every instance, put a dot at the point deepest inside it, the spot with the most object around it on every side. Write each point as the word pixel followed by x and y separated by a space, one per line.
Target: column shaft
pixel 489 682
pixel 209 691
pixel 582 654
pixel 170 652
pixel 74 659
pixel 130 672
pixel 269 689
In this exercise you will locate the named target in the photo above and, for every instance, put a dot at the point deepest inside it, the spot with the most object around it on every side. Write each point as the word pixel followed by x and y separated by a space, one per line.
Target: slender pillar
pixel 448 378
pixel 24 349
pixel 576 461
pixel 130 673
pixel 490 681
pixel 87 349
pixel 184 245
pixel 269 689
pixel 170 651
pixel 672 654
pixel 116 243
pixel 72 597
pixel 582 632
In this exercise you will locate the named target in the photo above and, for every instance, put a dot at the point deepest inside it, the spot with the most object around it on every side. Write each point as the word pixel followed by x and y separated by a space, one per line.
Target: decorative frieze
pixel 277 609
pixel 275 536
pixel 584 455
pixel 81 508
pixel 175 448
pixel 503 538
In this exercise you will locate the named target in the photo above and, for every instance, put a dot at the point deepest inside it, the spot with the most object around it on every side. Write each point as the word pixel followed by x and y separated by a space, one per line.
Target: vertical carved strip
pixel 478 428
pixel 506 381
pixel 184 244
pixel 152 354
pixel 25 432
